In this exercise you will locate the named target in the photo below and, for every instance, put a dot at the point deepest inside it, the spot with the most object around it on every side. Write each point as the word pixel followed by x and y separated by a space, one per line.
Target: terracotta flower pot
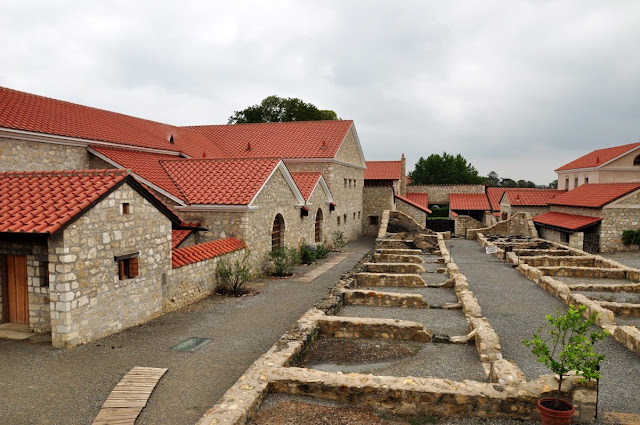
pixel 555 417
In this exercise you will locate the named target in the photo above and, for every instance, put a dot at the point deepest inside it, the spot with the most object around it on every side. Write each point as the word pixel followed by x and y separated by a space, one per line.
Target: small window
pixel 373 220
pixel 575 182
pixel 354 182
pixel 44 273
pixel 566 184
pixel 128 268
pixel 354 216
pixel 344 218
pixel 586 180
pixel 636 161
pixel 358 214
pixel 126 208
pixel 345 183
pixel 338 220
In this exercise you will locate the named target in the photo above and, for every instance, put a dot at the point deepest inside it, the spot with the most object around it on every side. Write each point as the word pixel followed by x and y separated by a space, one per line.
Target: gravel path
pixel 515 307
pixel 630 259
pixel 43 385
pixel 448 322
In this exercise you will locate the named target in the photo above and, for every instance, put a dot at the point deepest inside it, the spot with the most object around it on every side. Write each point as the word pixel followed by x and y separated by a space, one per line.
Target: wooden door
pixel 16 295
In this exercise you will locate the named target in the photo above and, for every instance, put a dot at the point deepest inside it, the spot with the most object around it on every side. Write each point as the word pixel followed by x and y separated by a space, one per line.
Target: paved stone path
pixel 43 385
pixel 516 307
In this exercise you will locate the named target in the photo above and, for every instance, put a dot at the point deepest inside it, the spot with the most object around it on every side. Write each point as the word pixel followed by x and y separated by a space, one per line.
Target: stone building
pixel 533 201
pixel 385 188
pixel 592 217
pixel 608 165
pixel 75 245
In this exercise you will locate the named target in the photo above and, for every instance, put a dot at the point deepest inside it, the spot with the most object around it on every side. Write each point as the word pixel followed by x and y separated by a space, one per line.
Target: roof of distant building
pixel 531 198
pixel 594 195
pixel 415 204
pixel 383 170
pixel 598 157
pixel 565 221
pixel 468 201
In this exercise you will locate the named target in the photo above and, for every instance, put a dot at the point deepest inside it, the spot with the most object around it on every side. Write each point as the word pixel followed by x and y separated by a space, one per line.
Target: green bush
pixel 234 275
pixel 282 260
pixel 307 256
pixel 321 251
pixel 338 239
pixel 631 237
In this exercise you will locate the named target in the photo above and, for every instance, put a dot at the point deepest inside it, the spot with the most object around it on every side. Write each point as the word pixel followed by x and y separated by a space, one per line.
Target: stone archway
pixel 277 233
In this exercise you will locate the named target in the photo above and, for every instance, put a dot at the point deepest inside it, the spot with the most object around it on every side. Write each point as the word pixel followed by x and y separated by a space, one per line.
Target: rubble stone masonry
pixel 88 300
pixel 22 155
pixel 376 200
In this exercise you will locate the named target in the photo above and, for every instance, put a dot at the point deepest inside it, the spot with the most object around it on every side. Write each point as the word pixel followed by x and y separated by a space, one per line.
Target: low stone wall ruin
pixel 519 224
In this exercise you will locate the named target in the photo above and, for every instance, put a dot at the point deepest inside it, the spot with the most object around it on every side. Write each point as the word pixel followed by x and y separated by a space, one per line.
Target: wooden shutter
pixel 121 272
pixel 133 267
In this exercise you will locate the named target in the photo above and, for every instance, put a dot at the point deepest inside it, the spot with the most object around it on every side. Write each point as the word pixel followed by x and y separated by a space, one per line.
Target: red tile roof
pixel 29 112
pixel 598 157
pixel 495 194
pixel 419 198
pixel 220 182
pixel 45 201
pixel 415 204
pixel 594 195
pixel 195 253
pixel 468 201
pixel 565 221
pixel 298 139
pixel 532 198
pixel 306 182
pixel 383 170
pixel 144 164
pixel 178 236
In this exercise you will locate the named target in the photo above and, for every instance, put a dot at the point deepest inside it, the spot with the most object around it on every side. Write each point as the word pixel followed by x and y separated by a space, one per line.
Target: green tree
pixel 553 184
pixel 279 109
pixel 492 179
pixel 445 169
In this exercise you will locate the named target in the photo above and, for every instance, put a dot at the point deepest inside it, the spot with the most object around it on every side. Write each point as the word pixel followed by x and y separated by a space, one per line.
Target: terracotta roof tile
pixel 495 194
pixel 44 201
pixel 195 253
pixel 220 182
pixel 306 182
pixel 598 157
pixel 415 204
pixel 143 164
pixel 594 195
pixel 178 236
pixel 29 112
pixel 419 198
pixel 383 170
pixel 565 221
pixel 532 198
pixel 298 139
pixel 468 201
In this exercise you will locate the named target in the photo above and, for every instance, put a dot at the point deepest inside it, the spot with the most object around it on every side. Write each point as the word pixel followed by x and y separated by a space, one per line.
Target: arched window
pixel 637 160
pixel 318 229
pixel 277 233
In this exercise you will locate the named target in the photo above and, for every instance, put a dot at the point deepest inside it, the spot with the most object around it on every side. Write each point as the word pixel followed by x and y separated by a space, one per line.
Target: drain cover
pixel 191 344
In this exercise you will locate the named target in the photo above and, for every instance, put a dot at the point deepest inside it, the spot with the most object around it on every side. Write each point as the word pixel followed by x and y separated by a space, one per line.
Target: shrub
pixel 235 274
pixel 570 345
pixel 338 239
pixel 307 256
pixel 631 237
pixel 321 251
pixel 282 259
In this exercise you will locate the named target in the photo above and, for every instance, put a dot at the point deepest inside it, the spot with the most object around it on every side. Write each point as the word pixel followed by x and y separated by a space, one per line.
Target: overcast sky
pixel 518 87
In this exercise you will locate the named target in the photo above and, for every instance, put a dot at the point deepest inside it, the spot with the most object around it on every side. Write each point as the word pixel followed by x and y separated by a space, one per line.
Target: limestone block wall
pixel 219 224
pixel 439 194
pixel 37 283
pixel 22 155
pixel 552 235
pixel 184 285
pixel 417 214
pixel 376 200
pixel 88 301
pixel 514 209
pixel 518 225
pixel 318 201
pixel 464 222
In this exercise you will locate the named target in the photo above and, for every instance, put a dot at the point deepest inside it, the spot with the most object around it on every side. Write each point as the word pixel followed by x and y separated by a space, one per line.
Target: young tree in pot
pixel 569 348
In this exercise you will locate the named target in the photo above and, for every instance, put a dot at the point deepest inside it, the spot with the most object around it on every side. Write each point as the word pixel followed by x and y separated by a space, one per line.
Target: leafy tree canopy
pixel 279 109
pixel 445 169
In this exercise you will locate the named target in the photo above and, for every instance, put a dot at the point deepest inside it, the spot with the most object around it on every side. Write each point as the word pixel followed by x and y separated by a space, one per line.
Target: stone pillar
pixel 62 283
pixel 403 177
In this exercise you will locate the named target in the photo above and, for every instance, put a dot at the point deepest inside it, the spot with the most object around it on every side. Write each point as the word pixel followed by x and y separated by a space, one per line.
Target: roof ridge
pixel 277 158
pixel 260 123
pixel 96 172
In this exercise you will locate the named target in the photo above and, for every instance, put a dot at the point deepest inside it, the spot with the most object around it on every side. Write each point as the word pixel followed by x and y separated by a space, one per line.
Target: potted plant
pixel 568 346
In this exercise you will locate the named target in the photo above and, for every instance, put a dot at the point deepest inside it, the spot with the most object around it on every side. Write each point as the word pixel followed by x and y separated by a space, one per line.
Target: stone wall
pixel 87 297
pixel 376 200
pixel 35 251
pixel 532 210
pixel 19 155
pixel 464 222
pixel 439 194
pixel 184 285
pixel 518 225
pixel 417 214
pixel 219 224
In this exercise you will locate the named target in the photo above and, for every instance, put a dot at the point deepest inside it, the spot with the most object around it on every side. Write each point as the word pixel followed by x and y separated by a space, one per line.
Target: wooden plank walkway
pixel 129 396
